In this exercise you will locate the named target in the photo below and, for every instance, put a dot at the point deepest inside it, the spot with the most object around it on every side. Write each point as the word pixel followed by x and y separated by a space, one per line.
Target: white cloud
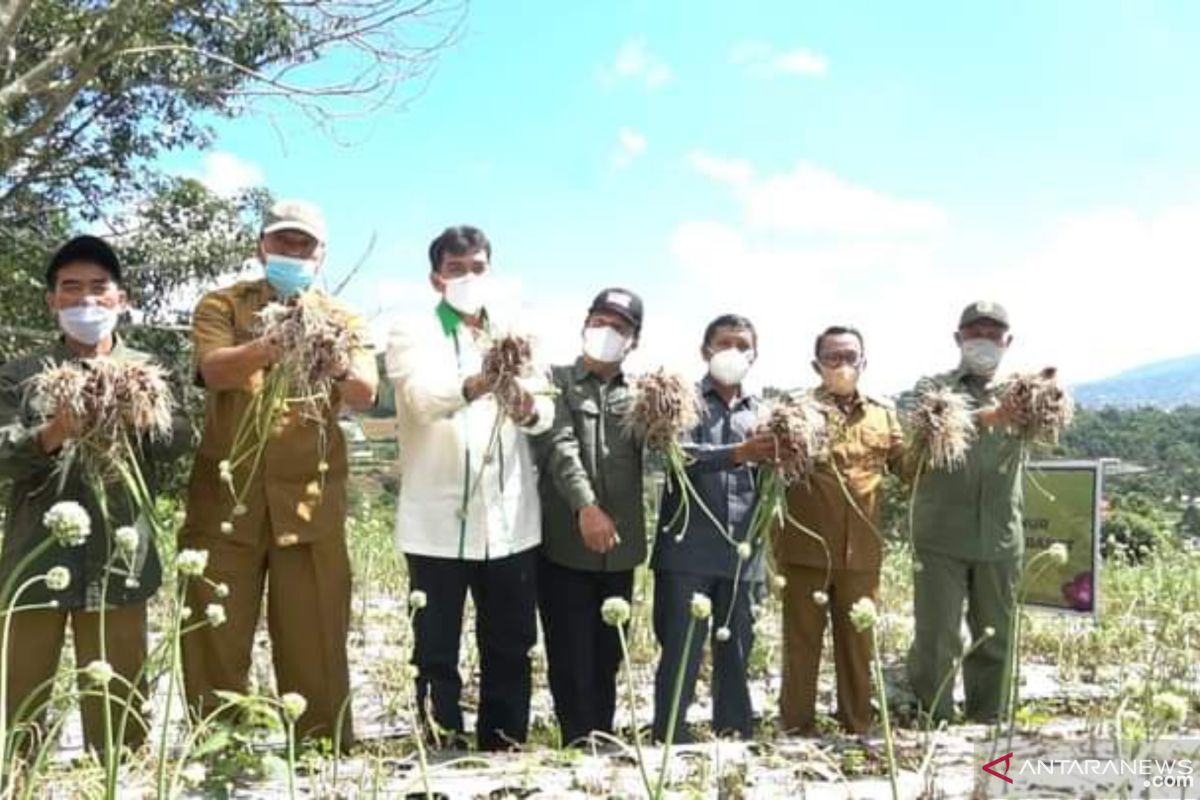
pixel 630 146
pixel 810 199
pixel 1104 290
pixel 1110 289
pixel 764 61
pixel 226 174
pixel 635 62
pixel 737 171
pixel 792 290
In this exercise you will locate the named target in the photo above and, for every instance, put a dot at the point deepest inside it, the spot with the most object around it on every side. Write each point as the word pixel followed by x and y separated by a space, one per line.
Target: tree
pixel 1133 528
pixel 91 92
pixel 183 237
pixel 1189 525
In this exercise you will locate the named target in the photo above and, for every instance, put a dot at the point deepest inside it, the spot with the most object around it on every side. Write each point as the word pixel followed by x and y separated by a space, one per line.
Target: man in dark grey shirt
pixel 700 559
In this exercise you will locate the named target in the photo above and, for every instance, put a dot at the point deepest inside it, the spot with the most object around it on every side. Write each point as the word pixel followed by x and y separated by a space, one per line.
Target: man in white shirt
pixel 468 516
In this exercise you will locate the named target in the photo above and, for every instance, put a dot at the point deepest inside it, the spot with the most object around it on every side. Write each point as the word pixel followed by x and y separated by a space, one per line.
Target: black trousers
pixel 583 653
pixel 504 591
pixel 673 592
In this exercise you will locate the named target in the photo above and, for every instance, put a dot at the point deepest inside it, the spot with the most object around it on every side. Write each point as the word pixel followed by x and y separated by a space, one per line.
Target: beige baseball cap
pixel 295 215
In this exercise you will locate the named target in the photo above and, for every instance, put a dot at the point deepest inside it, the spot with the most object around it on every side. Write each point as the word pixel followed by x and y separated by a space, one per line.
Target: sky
pixel 801 163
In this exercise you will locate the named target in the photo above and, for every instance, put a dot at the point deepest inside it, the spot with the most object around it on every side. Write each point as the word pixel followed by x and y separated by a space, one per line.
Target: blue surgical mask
pixel 89 323
pixel 289 276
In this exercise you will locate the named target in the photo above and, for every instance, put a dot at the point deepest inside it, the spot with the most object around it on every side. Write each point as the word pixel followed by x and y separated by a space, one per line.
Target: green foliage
pixel 92 93
pixel 1133 526
pixel 1165 442
pixel 134 79
pixel 183 238
pixel 1189 525
pixel 1141 507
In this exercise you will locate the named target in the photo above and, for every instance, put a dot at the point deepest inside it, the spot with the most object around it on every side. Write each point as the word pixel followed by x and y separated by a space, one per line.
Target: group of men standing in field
pixel 542 514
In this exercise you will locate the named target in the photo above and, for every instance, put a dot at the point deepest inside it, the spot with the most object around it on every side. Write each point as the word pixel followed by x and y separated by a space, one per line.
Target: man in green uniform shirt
pixel 593 517
pixel 968 537
pixel 83 285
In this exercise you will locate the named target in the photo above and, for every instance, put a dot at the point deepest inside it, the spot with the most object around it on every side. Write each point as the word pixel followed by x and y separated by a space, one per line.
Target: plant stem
pixel 927 724
pixel 418 727
pixel 111 754
pixel 8 614
pixel 291 756
pixel 201 727
pixel 629 688
pixel 171 675
pixel 881 688
pixel 680 671
pixel 1012 660
pixel 43 753
pixel 912 506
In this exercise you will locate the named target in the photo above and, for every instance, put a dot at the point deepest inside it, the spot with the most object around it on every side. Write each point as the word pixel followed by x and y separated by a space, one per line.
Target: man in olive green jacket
pixel 968 537
pixel 593 518
pixel 83 288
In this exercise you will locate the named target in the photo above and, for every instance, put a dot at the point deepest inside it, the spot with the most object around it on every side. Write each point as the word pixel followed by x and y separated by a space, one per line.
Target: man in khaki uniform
pixel 866 443
pixel 291 533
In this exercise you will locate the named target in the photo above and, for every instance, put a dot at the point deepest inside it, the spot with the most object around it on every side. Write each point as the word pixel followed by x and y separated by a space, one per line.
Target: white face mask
pixel 468 294
pixel 605 344
pixel 981 356
pixel 89 324
pixel 728 367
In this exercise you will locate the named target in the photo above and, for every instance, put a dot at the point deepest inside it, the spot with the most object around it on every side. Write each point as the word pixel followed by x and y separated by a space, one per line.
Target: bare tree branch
pixel 358 264
pixel 100 89
pixel 12 14
pixel 38 79
pixel 111 27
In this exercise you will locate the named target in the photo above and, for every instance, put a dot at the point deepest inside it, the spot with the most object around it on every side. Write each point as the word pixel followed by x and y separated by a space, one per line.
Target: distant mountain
pixel 1164 384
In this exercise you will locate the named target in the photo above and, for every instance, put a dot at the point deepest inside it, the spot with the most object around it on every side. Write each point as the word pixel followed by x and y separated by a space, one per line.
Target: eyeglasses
pixel 849 359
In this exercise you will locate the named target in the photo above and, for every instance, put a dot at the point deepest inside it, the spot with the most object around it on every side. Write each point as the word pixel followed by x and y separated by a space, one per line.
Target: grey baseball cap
pixel 983 310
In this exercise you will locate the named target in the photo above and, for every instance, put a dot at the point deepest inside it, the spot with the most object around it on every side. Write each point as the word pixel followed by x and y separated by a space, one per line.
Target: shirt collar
pixel 450 318
pixel 823 395
pixel 708 388
pixel 63 351
pixel 964 377
pixel 580 372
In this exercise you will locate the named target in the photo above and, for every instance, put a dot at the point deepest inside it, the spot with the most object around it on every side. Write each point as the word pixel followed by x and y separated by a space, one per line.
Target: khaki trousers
pixel 804 633
pixel 34 647
pixel 308 616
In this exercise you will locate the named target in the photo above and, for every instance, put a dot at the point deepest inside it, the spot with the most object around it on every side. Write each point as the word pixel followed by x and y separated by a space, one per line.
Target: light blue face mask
pixel 289 276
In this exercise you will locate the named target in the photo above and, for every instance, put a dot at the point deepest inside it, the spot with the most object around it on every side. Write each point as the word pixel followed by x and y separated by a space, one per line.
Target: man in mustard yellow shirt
pixel 841 504
pixel 290 537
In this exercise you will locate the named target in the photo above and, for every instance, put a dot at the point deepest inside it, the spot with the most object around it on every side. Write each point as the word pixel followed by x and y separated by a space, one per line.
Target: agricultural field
pixel 213 213
pixel 1133 675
